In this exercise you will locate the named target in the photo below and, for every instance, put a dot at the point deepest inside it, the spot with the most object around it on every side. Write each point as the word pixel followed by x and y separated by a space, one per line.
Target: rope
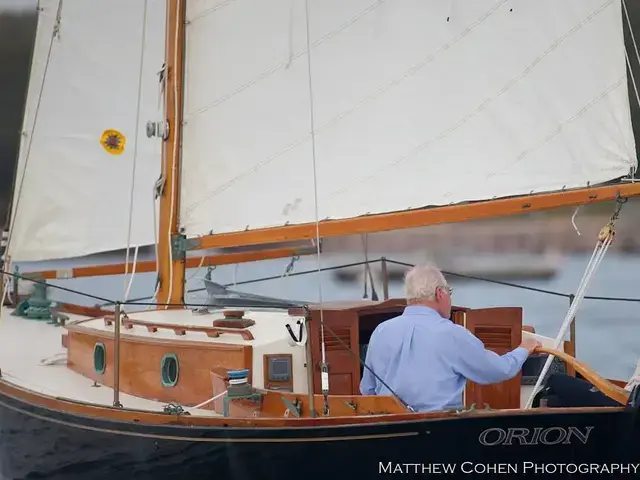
pixel 215 397
pixel 600 250
pixel 367 270
pixel 133 272
pixel 635 47
pixel 324 372
pixel 159 185
pixel 202 259
pixel 143 44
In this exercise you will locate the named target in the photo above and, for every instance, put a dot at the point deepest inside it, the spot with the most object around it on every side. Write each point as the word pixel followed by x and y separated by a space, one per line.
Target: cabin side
pixel 170 355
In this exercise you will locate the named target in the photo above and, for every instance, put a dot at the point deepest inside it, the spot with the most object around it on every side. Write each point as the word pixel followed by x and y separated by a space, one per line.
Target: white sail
pixel 72 197
pixel 417 103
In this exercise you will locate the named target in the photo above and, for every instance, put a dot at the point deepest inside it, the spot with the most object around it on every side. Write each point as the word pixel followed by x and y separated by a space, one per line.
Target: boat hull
pixel 38 442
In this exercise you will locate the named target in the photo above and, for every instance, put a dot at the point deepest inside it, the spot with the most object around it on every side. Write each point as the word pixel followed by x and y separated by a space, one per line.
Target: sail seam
pixel 209 11
pixel 557 131
pixel 411 155
pixel 420 148
pixel 282 65
pixel 392 83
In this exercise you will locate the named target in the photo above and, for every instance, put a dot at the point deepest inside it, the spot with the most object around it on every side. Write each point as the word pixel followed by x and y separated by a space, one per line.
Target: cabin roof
pixel 269 326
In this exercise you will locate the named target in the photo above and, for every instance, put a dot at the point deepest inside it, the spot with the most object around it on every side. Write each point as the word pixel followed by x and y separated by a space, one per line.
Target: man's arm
pixel 474 362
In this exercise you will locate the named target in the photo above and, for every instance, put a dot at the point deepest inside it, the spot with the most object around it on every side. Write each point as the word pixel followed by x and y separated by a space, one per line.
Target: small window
pixel 99 358
pixel 169 370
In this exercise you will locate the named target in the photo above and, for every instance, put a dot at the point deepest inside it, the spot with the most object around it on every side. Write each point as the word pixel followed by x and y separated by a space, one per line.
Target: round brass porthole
pixel 99 358
pixel 169 370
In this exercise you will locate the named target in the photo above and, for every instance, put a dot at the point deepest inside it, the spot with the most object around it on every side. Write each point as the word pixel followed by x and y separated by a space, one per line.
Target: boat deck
pixel 42 366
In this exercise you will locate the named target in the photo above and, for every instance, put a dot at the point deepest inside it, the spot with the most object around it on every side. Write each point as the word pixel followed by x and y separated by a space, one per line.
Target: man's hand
pixel 530 344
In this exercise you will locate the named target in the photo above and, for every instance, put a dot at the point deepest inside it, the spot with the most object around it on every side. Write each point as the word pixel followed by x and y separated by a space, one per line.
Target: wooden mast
pixel 422 217
pixel 171 266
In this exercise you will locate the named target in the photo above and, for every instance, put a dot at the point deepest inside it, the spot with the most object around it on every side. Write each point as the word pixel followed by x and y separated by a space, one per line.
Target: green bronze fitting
pixel 36 306
pixel 180 245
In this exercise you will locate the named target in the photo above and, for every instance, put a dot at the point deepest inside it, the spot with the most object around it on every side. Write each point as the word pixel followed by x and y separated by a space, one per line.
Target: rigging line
pixel 367 269
pixel 155 241
pixel 633 78
pixel 599 253
pixel 143 44
pixel 605 237
pixel 271 277
pixel 364 364
pixel 174 155
pixel 626 55
pixel 133 272
pixel 58 287
pixel 12 223
pixel 633 38
pixel 324 374
pixel 488 280
pixel 202 259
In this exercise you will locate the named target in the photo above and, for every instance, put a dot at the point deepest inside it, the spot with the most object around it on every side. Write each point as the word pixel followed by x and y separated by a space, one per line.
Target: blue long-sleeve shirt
pixel 426 360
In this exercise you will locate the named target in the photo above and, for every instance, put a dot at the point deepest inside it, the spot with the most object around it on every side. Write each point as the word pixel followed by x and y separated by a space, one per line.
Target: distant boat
pixel 484 265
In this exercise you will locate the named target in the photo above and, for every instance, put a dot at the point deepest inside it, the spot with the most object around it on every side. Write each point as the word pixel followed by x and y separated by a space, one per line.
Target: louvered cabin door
pixel 344 366
pixel 500 329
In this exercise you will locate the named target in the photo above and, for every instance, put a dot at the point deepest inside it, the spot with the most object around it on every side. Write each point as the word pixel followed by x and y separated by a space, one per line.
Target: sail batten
pixel 74 172
pixel 415 105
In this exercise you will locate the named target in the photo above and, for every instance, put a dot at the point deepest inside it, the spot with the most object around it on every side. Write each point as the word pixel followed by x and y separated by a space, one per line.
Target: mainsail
pixel 416 103
pixel 72 195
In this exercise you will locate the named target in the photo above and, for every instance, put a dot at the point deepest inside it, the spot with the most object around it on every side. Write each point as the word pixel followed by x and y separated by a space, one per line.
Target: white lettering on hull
pixel 525 436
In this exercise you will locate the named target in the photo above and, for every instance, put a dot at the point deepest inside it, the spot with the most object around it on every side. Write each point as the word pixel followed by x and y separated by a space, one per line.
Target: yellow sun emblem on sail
pixel 113 142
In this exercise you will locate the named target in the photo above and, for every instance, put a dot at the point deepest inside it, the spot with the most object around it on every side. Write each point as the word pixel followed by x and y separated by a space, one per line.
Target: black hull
pixel 36 442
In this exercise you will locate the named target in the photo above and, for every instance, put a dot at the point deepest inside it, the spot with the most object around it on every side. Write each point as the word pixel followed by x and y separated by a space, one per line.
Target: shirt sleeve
pixel 474 362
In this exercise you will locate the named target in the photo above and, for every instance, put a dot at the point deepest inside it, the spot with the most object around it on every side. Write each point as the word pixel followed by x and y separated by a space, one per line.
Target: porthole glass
pixel 169 370
pixel 99 358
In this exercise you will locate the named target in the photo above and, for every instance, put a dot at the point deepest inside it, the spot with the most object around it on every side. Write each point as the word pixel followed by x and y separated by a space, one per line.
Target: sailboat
pixel 251 123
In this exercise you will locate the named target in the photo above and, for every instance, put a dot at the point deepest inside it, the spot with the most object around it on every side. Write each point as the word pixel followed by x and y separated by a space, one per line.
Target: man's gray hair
pixel 422 281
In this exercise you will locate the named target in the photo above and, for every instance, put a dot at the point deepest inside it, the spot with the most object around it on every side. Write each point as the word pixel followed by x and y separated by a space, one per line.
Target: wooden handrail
pixel 152 327
pixel 608 388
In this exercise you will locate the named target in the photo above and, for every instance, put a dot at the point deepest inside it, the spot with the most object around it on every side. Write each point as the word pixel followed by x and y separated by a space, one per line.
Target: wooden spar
pixel 607 387
pixel 172 271
pixel 423 217
pixel 191 262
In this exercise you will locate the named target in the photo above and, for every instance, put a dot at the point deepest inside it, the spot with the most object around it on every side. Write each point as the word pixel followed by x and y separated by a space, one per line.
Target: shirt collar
pixel 419 310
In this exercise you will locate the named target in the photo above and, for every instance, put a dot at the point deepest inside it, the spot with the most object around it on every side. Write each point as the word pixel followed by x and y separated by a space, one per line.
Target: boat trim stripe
pixel 208 440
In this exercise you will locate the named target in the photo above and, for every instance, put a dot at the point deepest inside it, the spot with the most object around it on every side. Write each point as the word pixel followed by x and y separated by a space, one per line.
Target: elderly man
pixel 425 358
